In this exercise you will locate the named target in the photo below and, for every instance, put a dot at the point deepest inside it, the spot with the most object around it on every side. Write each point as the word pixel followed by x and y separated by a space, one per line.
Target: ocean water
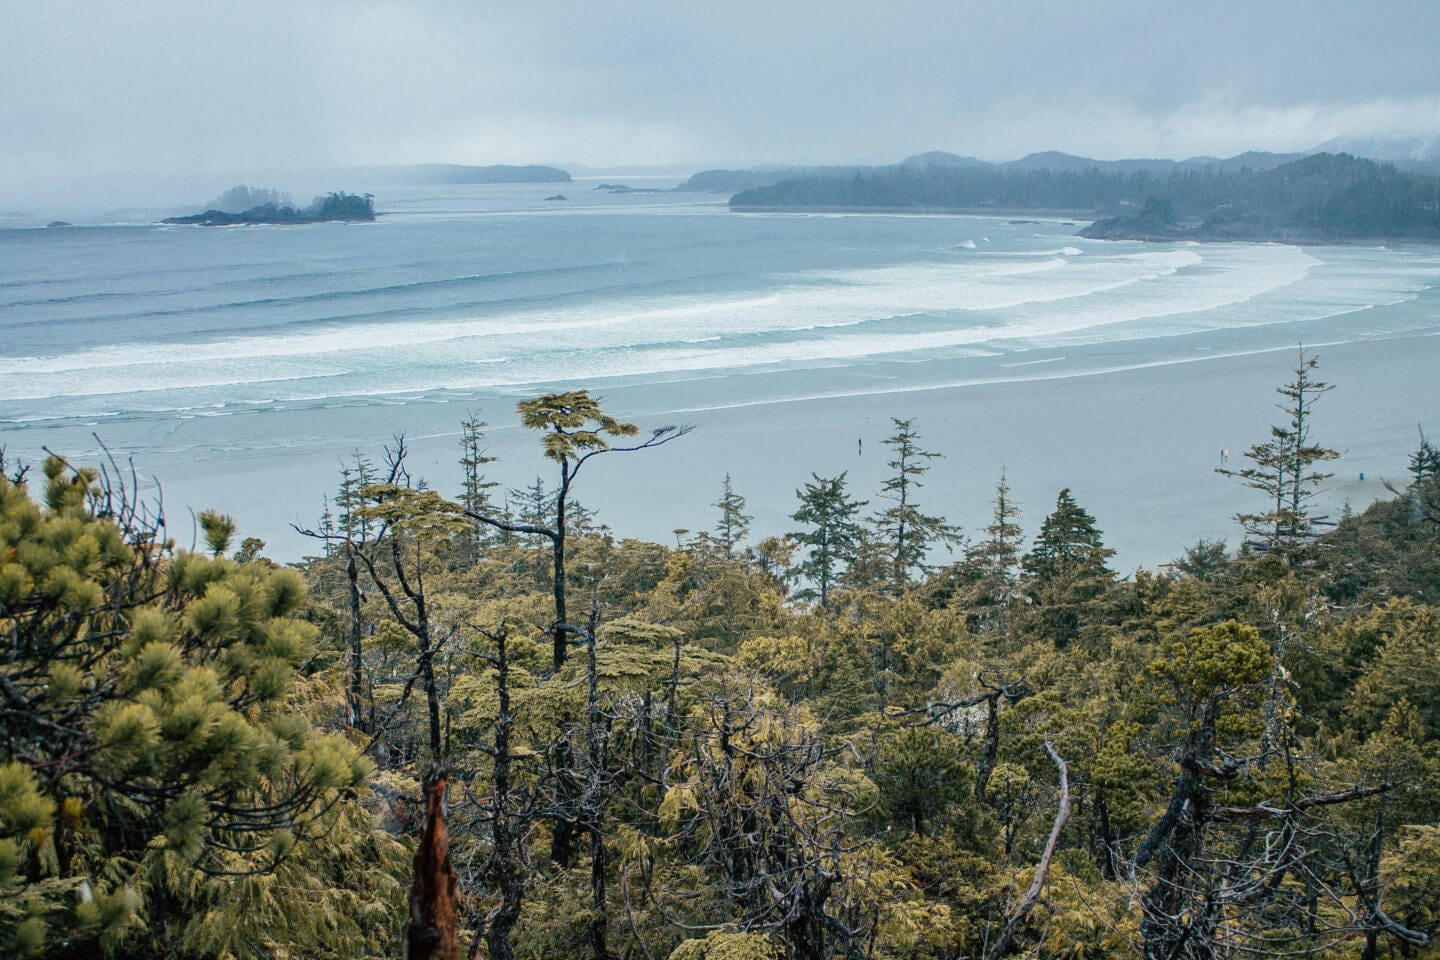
pixel 239 365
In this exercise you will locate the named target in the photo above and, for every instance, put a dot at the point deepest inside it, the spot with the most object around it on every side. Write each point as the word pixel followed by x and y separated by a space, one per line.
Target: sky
pixel 147 88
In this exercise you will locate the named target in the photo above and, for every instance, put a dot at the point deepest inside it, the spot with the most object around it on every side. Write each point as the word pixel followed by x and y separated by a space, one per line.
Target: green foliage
pixel 151 745
pixel 720 945
pixel 922 775
pixel 1069 543
pixel 734 523
pixel 1210 663
pixel 908 533
pixel 573 424
pixel 1283 467
pixel 832 532
pixel 215 758
pixel 1404 665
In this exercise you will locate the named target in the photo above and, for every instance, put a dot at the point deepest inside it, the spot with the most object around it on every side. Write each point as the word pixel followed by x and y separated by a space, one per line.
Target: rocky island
pixel 341 206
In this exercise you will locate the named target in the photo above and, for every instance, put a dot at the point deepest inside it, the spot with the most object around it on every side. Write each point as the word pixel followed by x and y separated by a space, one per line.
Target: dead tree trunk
pixel 430 929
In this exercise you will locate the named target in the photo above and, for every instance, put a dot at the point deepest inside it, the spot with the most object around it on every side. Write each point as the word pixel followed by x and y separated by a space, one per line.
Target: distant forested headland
pixel 481 725
pixel 1324 197
pixel 341 206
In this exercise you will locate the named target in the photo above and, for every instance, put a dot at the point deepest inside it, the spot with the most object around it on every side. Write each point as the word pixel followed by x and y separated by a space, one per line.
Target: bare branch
pixel 1042 869
pixel 1266 811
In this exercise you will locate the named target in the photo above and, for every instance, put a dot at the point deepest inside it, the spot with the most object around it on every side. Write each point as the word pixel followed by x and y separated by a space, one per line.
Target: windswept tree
pixel 575 431
pixel 832 532
pixel 1283 467
pixel 908 533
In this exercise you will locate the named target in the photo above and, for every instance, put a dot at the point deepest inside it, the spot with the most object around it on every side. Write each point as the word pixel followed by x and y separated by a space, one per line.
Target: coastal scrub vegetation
pixel 484 726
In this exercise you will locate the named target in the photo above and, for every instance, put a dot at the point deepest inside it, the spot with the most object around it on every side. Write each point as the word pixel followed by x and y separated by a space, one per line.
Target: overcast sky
pixel 201 87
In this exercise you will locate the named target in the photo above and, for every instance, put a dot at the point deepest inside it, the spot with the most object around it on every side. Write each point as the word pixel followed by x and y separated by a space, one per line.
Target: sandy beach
pixel 1137 448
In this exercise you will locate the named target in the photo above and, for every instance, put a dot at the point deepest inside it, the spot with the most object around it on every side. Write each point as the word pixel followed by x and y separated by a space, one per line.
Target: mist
pixel 153 103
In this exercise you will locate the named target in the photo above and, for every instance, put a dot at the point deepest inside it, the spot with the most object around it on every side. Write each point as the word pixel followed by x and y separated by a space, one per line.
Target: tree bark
pixel 430 929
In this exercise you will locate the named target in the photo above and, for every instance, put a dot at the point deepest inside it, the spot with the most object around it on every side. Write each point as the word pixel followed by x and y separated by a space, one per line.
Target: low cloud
pixel 158 88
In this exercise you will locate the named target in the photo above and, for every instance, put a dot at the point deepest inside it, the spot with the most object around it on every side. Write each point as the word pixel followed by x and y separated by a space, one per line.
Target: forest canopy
pixel 484 725
pixel 1320 197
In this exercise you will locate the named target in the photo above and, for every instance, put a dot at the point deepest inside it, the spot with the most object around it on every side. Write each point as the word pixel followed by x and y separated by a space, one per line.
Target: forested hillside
pixel 481 725
pixel 1316 198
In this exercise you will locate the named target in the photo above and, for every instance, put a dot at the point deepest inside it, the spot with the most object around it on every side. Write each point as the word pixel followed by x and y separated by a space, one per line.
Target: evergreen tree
pixel 575 430
pixel 995 560
pixel 921 773
pixel 157 761
pixel 354 477
pixel 829 512
pixel 1067 572
pixel 734 523
pixel 533 509
pixel 475 487
pixel 1068 543
pixel 908 533
pixel 1283 467
pixel 1424 464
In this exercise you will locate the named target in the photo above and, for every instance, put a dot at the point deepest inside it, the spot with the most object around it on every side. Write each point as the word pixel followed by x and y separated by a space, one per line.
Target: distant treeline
pixel 1321 197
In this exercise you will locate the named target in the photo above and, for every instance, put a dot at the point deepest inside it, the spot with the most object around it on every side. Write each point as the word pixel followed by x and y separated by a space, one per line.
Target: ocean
pixel 239 366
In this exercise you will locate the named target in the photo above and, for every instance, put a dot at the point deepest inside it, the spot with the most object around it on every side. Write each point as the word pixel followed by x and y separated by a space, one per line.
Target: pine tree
pixel 575 431
pixel 354 478
pixel 327 523
pixel 909 533
pixel 998 555
pixel 734 523
pixel 1424 464
pixel 1067 569
pixel 157 743
pixel 534 509
pixel 830 512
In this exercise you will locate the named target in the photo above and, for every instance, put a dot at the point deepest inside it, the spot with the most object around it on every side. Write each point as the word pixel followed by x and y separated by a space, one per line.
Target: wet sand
pixel 1137 448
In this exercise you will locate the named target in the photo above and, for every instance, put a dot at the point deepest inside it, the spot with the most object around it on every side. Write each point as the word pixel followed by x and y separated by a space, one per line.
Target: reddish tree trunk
pixel 430 930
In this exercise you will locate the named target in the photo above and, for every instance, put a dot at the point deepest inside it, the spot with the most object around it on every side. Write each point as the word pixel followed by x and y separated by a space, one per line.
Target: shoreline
pixel 1086 218
pixel 1137 447
pixel 998 213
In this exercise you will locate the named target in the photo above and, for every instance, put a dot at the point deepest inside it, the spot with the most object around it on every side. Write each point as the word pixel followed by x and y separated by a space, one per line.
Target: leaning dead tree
pixel 1042 869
